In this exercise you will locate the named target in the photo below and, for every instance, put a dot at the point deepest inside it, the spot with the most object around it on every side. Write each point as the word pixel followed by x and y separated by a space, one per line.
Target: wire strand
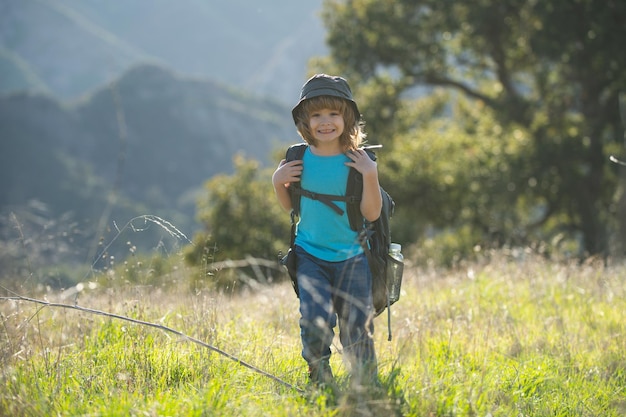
pixel 156 326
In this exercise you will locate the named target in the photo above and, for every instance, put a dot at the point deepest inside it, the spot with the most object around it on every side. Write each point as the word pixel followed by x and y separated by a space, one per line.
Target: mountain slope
pixel 178 131
pixel 64 50
pixel 152 136
pixel 76 45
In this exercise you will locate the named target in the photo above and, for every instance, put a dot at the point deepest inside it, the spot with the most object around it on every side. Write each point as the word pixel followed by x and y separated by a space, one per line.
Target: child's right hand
pixel 287 172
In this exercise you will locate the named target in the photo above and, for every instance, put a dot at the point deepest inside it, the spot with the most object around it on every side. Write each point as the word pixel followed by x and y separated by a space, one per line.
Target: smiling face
pixel 326 125
pixel 324 119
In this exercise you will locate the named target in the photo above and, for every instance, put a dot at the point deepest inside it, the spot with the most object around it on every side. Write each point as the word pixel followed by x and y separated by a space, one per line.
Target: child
pixel 333 276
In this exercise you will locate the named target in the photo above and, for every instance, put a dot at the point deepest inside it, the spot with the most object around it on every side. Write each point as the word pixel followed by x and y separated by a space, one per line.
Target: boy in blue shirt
pixel 333 276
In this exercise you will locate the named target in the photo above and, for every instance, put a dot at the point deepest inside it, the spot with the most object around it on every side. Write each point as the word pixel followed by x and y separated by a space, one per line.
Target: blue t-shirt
pixel 321 231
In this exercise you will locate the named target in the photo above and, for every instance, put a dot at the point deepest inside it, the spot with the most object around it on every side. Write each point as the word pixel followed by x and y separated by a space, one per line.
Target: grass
pixel 508 337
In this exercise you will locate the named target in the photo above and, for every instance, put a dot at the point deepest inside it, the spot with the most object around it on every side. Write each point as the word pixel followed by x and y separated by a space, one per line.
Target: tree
pixel 553 68
pixel 241 218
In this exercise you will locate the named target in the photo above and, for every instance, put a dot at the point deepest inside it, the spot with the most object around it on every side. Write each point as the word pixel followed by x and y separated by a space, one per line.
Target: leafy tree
pixel 550 70
pixel 448 184
pixel 240 216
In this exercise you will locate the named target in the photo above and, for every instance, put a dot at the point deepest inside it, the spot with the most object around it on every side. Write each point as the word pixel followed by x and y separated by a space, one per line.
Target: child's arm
pixel 371 200
pixel 286 173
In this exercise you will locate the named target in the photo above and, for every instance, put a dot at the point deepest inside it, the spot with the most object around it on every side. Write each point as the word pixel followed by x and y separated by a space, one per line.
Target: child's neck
pixel 327 149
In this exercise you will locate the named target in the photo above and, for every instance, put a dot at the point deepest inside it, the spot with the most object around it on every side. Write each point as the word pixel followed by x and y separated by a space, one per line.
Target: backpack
pixel 374 237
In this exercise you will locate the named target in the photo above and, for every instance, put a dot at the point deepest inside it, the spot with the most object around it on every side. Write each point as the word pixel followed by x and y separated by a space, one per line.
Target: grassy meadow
pixel 512 336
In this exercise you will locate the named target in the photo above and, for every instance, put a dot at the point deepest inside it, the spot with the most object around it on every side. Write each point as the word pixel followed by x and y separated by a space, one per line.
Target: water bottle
pixel 395 268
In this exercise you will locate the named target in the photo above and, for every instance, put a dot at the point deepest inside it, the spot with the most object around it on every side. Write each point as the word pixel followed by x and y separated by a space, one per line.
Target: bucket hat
pixel 325 85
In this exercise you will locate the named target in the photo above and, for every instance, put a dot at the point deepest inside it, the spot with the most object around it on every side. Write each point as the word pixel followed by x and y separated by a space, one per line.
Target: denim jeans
pixel 331 291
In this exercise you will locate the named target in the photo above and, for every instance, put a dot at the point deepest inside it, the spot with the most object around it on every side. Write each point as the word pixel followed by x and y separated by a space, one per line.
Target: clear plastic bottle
pixel 395 267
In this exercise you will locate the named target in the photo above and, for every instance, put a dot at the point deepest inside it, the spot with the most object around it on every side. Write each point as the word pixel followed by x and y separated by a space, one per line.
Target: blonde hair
pixel 352 135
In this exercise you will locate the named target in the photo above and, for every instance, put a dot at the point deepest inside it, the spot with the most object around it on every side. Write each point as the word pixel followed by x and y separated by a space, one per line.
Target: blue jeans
pixel 331 291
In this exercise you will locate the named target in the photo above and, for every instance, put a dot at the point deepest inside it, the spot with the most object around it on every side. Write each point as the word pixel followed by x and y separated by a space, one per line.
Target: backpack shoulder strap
pixel 370 153
pixel 295 152
pixel 355 190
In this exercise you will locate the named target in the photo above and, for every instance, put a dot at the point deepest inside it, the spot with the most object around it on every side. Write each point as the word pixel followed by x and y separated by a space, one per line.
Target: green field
pixel 508 337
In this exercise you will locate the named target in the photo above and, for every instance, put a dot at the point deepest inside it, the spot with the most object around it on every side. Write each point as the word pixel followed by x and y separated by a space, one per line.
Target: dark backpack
pixel 375 237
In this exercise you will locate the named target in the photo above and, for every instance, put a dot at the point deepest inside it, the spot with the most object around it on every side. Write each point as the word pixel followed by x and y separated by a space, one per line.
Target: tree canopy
pixel 548 73
pixel 241 219
pixel 498 120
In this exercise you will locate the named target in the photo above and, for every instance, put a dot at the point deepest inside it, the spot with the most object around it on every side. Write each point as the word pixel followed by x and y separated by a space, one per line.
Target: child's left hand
pixel 362 162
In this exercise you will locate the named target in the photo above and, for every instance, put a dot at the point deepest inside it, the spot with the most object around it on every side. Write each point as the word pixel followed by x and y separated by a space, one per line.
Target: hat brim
pixel 321 92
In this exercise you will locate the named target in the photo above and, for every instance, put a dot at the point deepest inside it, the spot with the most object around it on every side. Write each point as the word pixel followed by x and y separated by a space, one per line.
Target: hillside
pixel 74 46
pixel 109 110
pixel 179 131
pixel 152 137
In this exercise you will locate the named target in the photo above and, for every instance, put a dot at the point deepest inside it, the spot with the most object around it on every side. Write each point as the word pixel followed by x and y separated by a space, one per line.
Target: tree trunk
pixel 619 251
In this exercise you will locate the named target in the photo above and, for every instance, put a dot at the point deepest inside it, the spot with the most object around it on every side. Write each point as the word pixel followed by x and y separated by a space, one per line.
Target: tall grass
pixel 507 337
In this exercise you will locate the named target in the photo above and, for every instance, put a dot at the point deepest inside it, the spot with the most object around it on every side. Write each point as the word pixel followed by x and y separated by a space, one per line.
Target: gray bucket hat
pixel 325 85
